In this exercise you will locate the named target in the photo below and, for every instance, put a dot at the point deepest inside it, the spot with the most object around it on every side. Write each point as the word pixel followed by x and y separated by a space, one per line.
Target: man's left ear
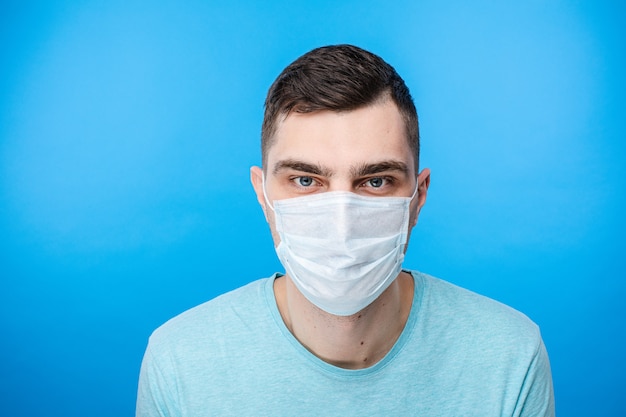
pixel 423 182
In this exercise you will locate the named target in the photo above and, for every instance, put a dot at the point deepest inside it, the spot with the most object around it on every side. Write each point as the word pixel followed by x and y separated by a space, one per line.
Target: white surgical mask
pixel 341 249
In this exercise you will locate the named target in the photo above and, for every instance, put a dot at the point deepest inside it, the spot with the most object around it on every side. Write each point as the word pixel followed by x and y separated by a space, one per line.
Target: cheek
pixel 408 236
pixel 414 212
pixel 269 215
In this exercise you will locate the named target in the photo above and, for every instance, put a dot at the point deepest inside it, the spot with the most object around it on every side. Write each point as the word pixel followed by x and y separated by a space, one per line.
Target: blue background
pixel 127 130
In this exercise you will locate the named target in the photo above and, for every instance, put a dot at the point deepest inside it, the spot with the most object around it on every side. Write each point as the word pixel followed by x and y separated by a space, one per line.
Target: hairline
pixel 384 97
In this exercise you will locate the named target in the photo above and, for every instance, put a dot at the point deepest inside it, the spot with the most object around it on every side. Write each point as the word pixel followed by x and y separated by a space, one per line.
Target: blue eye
pixel 304 181
pixel 376 182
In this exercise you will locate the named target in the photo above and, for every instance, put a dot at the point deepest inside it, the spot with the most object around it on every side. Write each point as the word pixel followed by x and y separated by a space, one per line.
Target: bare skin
pixel 364 151
pixel 352 342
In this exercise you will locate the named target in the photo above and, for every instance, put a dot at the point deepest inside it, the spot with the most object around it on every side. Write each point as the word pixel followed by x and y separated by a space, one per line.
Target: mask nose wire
pixel 265 192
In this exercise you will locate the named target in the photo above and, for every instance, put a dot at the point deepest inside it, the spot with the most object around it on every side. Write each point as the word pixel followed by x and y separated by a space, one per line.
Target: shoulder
pixel 474 316
pixel 493 348
pixel 200 324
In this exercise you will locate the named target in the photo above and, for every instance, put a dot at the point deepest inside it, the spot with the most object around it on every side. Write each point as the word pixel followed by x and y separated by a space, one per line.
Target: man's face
pixel 364 151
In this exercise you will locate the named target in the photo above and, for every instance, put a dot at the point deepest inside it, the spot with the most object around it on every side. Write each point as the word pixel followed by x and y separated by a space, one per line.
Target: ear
pixel 423 182
pixel 256 178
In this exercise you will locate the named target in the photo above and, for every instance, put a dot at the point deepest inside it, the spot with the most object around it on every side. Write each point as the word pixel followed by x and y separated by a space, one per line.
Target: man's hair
pixel 337 78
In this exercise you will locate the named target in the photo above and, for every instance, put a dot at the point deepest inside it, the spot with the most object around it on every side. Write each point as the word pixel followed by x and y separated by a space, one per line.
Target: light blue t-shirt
pixel 460 354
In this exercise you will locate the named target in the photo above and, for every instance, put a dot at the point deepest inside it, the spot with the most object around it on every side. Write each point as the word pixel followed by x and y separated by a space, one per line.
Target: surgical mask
pixel 341 249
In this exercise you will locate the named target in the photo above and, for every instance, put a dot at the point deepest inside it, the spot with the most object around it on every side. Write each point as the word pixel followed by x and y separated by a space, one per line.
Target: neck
pixel 351 342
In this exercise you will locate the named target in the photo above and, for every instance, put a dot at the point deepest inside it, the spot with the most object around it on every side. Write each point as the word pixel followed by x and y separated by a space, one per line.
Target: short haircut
pixel 337 78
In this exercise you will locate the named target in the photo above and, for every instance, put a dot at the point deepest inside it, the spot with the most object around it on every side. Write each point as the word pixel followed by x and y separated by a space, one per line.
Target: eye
pixel 304 184
pixel 304 181
pixel 376 182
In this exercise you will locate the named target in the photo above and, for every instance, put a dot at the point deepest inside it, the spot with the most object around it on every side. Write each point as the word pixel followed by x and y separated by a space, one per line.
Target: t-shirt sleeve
pixel 536 396
pixel 155 396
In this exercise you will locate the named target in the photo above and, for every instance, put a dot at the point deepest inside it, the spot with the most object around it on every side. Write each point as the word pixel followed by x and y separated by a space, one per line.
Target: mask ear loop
pixel 417 186
pixel 265 192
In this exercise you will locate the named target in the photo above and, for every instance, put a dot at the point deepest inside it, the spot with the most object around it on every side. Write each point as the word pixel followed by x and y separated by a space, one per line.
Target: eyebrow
pixel 307 167
pixel 377 168
pixel 358 171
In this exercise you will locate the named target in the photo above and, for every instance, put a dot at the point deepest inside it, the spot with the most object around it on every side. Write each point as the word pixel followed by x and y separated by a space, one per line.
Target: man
pixel 345 331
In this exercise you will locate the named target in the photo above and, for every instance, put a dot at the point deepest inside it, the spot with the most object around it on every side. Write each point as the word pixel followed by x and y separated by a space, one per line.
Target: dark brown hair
pixel 337 78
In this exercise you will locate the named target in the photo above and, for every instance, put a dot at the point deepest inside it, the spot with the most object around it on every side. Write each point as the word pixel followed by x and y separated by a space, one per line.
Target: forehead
pixel 342 139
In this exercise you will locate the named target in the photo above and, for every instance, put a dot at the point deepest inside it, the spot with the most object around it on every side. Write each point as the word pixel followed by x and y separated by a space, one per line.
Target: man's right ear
pixel 256 178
